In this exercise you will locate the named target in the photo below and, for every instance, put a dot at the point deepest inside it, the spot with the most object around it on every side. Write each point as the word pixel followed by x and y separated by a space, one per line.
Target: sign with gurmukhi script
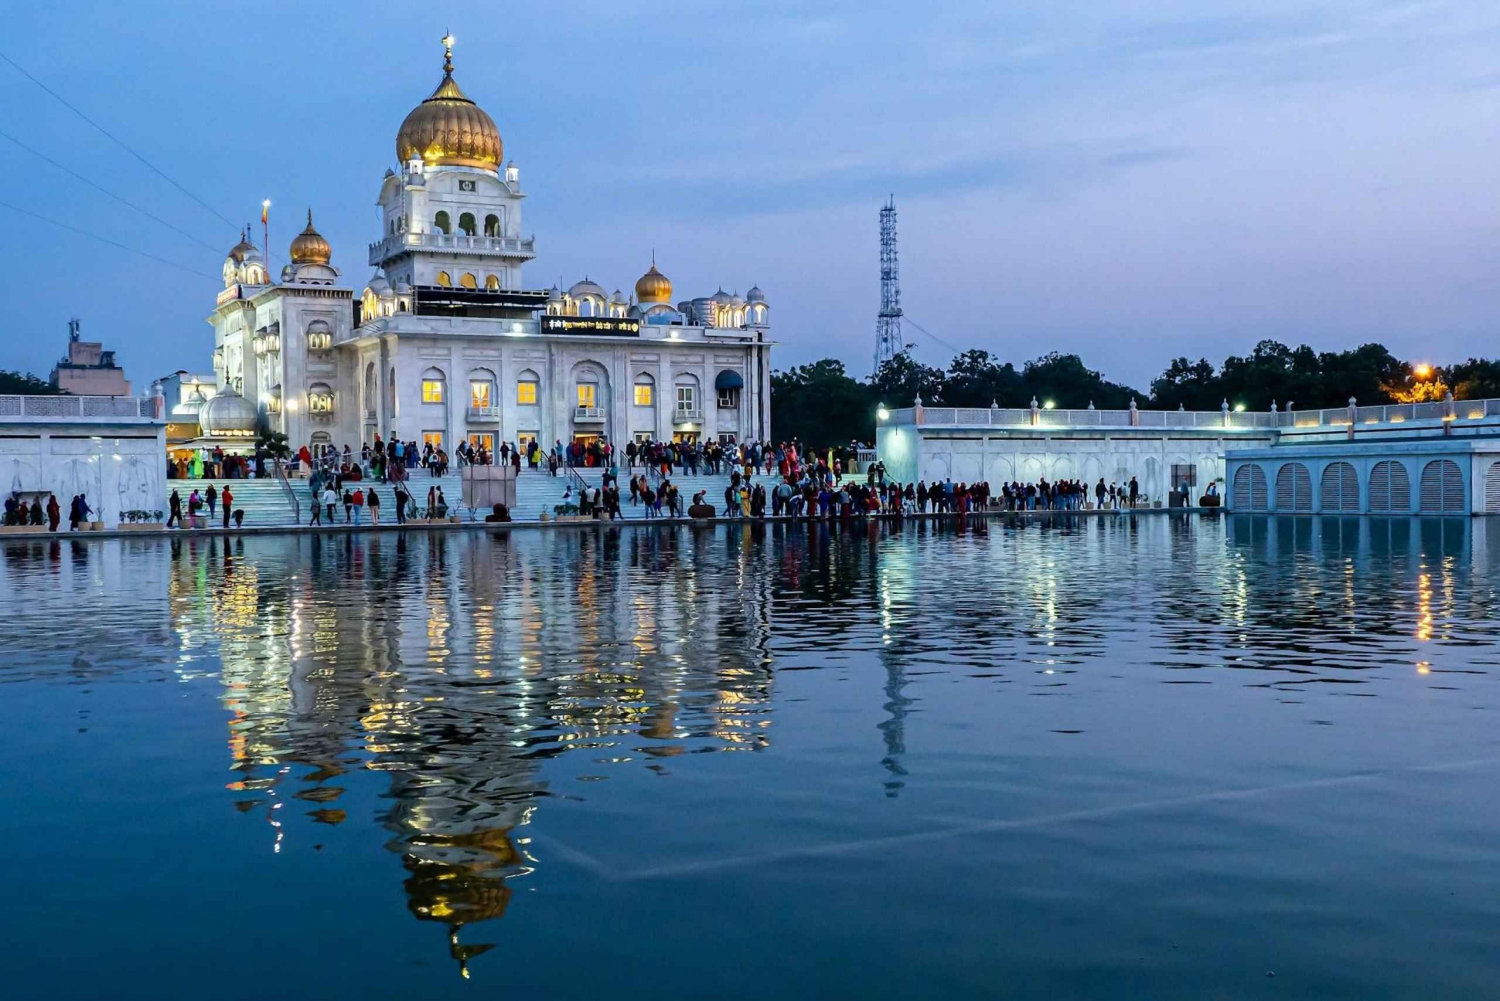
pixel 609 326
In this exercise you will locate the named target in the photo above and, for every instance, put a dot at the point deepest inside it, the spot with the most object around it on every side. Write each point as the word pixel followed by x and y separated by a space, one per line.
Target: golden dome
pixel 448 129
pixel 309 247
pixel 653 286
pixel 239 250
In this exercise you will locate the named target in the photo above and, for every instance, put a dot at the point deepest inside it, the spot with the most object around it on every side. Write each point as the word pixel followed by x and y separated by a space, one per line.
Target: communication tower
pixel 888 321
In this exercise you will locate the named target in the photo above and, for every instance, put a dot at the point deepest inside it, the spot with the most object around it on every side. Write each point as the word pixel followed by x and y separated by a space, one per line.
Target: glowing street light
pixel 1049 405
pixel 1239 408
pixel 1423 371
pixel 881 413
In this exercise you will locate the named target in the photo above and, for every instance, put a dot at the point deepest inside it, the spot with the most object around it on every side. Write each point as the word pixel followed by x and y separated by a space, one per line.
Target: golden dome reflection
pixel 309 247
pixel 448 129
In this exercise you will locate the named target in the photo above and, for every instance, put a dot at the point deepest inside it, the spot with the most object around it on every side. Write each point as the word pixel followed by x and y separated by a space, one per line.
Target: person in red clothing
pixel 227 499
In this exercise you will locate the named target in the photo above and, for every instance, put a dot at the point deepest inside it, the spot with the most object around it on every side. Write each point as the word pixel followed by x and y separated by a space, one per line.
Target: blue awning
pixel 729 379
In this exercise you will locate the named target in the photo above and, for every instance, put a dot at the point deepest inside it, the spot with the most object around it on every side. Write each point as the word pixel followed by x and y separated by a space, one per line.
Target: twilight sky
pixel 1128 179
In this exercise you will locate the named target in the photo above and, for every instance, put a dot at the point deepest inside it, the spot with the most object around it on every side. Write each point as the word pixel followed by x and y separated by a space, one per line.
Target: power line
pixel 931 335
pixel 113 138
pixel 68 170
pixel 102 239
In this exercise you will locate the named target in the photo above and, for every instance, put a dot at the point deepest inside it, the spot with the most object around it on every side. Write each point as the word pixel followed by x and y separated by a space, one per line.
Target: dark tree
pixel 820 404
pixel 1065 381
pixel 900 380
pixel 25 384
pixel 977 379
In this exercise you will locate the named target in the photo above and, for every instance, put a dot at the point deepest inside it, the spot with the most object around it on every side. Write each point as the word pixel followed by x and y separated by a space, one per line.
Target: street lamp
pixel 1239 408
pixel 1423 371
pixel 1049 405
pixel 881 413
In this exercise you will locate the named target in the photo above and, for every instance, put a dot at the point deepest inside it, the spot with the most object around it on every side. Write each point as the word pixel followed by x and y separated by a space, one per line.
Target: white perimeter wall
pixel 116 468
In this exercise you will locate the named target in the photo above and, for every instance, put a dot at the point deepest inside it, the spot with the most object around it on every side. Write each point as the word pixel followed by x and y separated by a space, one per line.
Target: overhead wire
pixel 115 139
pixel 68 170
pixel 104 239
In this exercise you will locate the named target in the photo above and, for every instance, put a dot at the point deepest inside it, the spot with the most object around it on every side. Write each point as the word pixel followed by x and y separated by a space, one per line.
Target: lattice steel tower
pixel 888 321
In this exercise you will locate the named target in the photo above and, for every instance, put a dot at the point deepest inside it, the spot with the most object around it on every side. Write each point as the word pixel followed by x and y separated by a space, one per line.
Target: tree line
pixel 822 403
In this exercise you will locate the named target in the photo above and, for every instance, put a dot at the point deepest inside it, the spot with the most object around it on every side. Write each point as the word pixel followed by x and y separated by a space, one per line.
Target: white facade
pixel 999 446
pixel 110 449
pixel 443 343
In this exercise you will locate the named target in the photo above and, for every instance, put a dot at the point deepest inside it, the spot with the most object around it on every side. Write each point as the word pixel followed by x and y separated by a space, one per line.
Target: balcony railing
pixel 77 408
pixel 477 413
pixel 590 414
pixel 370 416
pixel 1453 412
pixel 453 242
pixel 687 415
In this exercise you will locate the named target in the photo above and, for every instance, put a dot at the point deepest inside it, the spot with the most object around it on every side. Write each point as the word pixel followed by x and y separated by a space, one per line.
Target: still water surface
pixel 1149 758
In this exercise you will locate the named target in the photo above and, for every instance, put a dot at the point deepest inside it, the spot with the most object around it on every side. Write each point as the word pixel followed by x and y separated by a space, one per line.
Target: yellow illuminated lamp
pixel 1050 404
pixel 1239 408
pixel 882 414
pixel 1422 371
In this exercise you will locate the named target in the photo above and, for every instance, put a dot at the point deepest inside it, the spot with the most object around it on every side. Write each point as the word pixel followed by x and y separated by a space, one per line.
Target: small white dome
pixel 228 413
pixel 755 294
pixel 586 287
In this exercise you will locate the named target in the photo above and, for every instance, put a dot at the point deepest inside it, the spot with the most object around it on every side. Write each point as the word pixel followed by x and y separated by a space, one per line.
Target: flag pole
pixel 265 223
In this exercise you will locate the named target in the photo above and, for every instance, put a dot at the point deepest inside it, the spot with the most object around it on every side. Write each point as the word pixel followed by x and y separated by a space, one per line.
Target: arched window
pixel 1249 492
pixel 319 337
pixel 491 225
pixel 466 224
pixel 1390 487
pixel 1340 487
pixel 320 398
pixel 645 390
pixel 444 280
pixel 434 386
pixel 492 283
pixel 1442 488
pixel 585 306
pixel 468 281
pixel 441 224
pixel 482 392
pixel 527 384
pixel 1293 487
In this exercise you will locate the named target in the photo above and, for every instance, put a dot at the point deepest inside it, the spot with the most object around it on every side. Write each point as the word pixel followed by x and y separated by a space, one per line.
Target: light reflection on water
pixel 1020 726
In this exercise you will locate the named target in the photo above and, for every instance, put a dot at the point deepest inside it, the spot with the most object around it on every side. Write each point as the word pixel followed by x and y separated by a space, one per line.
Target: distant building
pixel 87 369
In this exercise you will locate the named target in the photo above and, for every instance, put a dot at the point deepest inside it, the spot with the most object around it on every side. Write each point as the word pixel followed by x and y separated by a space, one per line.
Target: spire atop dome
pixel 309 247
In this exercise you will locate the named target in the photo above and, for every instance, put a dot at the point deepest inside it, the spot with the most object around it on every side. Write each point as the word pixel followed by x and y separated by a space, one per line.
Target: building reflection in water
pixel 459 667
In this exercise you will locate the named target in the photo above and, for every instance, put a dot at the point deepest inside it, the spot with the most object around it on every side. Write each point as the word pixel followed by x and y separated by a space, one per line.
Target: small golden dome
pixel 238 252
pixel 653 286
pixel 448 129
pixel 309 247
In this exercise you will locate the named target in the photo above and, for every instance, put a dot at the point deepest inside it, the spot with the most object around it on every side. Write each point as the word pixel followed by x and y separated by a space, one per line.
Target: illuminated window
pixel 643 394
pixel 526 391
pixel 444 280
pixel 482 440
pixel 468 281
pixel 319 398
pixel 433 438
pixel 480 394
pixel 525 438
pixel 587 394
pixel 432 390
pixel 491 282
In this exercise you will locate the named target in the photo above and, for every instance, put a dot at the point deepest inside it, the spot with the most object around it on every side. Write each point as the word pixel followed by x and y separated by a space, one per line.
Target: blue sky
pixel 1130 180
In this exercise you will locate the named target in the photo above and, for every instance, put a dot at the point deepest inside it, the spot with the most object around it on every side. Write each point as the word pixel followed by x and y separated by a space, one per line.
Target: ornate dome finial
pixel 447 51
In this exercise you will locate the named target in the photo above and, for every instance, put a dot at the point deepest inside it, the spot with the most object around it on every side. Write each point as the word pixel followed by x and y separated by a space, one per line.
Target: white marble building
pixel 111 449
pixel 444 342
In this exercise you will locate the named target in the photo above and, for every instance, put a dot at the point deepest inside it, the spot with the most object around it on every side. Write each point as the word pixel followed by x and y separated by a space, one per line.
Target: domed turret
pixel 586 287
pixel 448 129
pixel 193 405
pixel 228 414
pixel 755 294
pixel 238 252
pixel 653 286
pixel 309 247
